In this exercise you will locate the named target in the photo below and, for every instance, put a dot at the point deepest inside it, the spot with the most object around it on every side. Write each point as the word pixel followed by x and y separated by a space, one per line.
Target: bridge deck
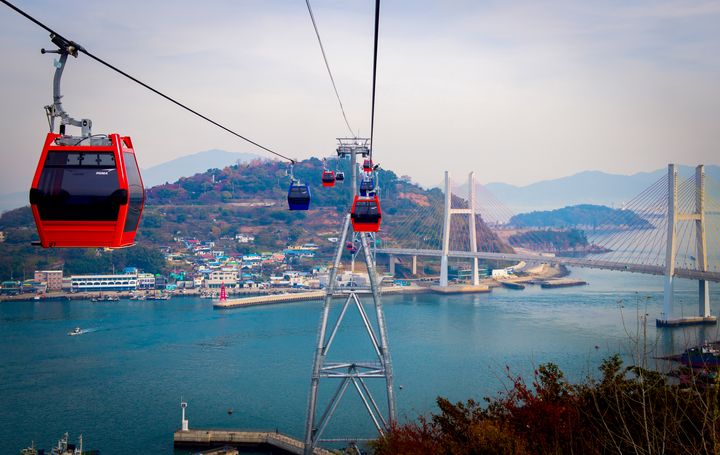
pixel 575 262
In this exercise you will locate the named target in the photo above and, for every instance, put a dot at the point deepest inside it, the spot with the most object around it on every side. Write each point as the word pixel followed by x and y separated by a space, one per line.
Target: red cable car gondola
pixel 366 214
pixel 328 178
pixel 87 191
pixel 87 196
pixel 367 165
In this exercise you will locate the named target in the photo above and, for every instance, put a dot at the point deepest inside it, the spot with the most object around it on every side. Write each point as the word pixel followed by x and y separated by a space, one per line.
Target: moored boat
pixel 703 356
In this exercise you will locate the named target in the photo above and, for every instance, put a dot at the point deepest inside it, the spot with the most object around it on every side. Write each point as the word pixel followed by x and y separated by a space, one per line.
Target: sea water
pixel 120 383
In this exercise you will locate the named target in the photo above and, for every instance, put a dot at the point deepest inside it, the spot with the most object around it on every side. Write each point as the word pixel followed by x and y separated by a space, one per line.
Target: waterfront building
pixel 89 283
pixel 52 278
pixel 145 281
pixel 216 278
pixel 347 280
pixel 10 288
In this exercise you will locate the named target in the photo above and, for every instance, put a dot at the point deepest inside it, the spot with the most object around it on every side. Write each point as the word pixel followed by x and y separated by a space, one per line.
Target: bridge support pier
pixel 698 218
pixel 446 233
pixel 670 243
pixel 473 232
pixel 701 260
pixel 449 211
pixel 414 265
pixel 391 266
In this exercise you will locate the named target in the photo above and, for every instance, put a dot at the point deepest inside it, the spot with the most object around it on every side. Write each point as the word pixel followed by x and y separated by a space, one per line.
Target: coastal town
pixel 200 268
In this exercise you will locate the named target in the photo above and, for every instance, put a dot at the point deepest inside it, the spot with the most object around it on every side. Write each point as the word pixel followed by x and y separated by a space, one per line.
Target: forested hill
pixel 248 198
pixel 585 216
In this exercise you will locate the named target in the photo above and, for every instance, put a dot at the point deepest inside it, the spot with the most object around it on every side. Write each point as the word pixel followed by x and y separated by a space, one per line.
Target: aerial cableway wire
pixel 375 53
pixel 327 65
pixel 137 81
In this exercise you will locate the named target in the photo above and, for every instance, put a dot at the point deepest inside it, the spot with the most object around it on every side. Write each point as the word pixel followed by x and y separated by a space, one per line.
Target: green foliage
pixel 584 215
pixel 550 240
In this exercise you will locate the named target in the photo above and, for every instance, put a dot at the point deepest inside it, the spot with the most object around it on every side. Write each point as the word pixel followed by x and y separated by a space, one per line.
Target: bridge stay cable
pixel 143 84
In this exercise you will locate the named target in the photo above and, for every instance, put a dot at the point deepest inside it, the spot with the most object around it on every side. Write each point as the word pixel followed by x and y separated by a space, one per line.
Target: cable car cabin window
pixel 366 211
pixel 76 185
pixel 137 192
pixel 299 192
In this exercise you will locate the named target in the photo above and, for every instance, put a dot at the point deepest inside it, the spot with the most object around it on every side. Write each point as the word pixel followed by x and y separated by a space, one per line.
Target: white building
pixel 242 238
pixel 81 283
pixel 228 276
pixel 146 281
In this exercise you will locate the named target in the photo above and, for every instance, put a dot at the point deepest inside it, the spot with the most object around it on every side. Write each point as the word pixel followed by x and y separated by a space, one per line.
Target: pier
pixel 561 283
pixel 241 439
pixel 309 296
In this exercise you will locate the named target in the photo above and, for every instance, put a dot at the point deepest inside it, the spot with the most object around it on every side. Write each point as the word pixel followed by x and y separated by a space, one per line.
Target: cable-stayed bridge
pixel 670 229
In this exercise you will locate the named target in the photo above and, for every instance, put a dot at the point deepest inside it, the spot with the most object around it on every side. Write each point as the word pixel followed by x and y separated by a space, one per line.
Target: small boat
pixel 74 332
pixel 703 356
pixel 30 450
pixel 513 285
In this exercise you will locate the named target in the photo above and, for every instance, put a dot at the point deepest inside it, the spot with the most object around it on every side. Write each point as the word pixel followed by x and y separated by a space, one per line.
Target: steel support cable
pixel 683 237
pixel 327 66
pixel 374 76
pixel 411 226
pixel 712 228
pixel 681 227
pixel 143 84
pixel 649 194
pixel 652 236
pixel 417 226
pixel 713 252
pixel 686 195
pixel 635 234
pixel 486 215
pixel 627 247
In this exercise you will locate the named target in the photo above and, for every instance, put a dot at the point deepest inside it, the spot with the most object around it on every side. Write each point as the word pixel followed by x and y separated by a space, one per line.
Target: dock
pixel 513 285
pixel 561 283
pixel 460 289
pixel 306 296
pixel 691 320
pixel 242 439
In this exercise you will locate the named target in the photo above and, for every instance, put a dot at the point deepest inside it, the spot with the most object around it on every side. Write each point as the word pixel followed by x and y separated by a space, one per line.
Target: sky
pixel 518 91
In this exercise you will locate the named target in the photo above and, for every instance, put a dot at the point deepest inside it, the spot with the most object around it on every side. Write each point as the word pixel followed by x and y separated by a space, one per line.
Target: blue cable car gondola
pixel 367 186
pixel 340 176
pixel 298 196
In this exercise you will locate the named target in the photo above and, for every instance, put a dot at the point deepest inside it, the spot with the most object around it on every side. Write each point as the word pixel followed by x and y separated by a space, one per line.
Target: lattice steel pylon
pixel 351 372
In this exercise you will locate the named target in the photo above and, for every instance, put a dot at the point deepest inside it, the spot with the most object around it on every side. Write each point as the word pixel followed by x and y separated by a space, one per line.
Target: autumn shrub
pixel 627 410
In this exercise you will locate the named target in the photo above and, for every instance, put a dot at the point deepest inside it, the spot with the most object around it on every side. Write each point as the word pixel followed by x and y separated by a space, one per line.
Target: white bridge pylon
pixel 472 232
pixel 696 217
pixel 670 230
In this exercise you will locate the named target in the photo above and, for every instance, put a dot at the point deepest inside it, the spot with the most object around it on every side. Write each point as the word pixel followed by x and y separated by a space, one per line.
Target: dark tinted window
pixel 299 192
pixel 78 185
pixel 137 192
pixel 366 211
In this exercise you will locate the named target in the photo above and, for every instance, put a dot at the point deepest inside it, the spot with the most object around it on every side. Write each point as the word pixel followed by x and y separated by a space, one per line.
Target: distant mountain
pixel 584 216
pixel 13 200
pixel 189 165
pixel 589 187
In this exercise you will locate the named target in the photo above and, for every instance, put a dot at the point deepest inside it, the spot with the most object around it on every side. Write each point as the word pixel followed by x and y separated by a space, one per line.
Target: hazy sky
pixel 518 91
